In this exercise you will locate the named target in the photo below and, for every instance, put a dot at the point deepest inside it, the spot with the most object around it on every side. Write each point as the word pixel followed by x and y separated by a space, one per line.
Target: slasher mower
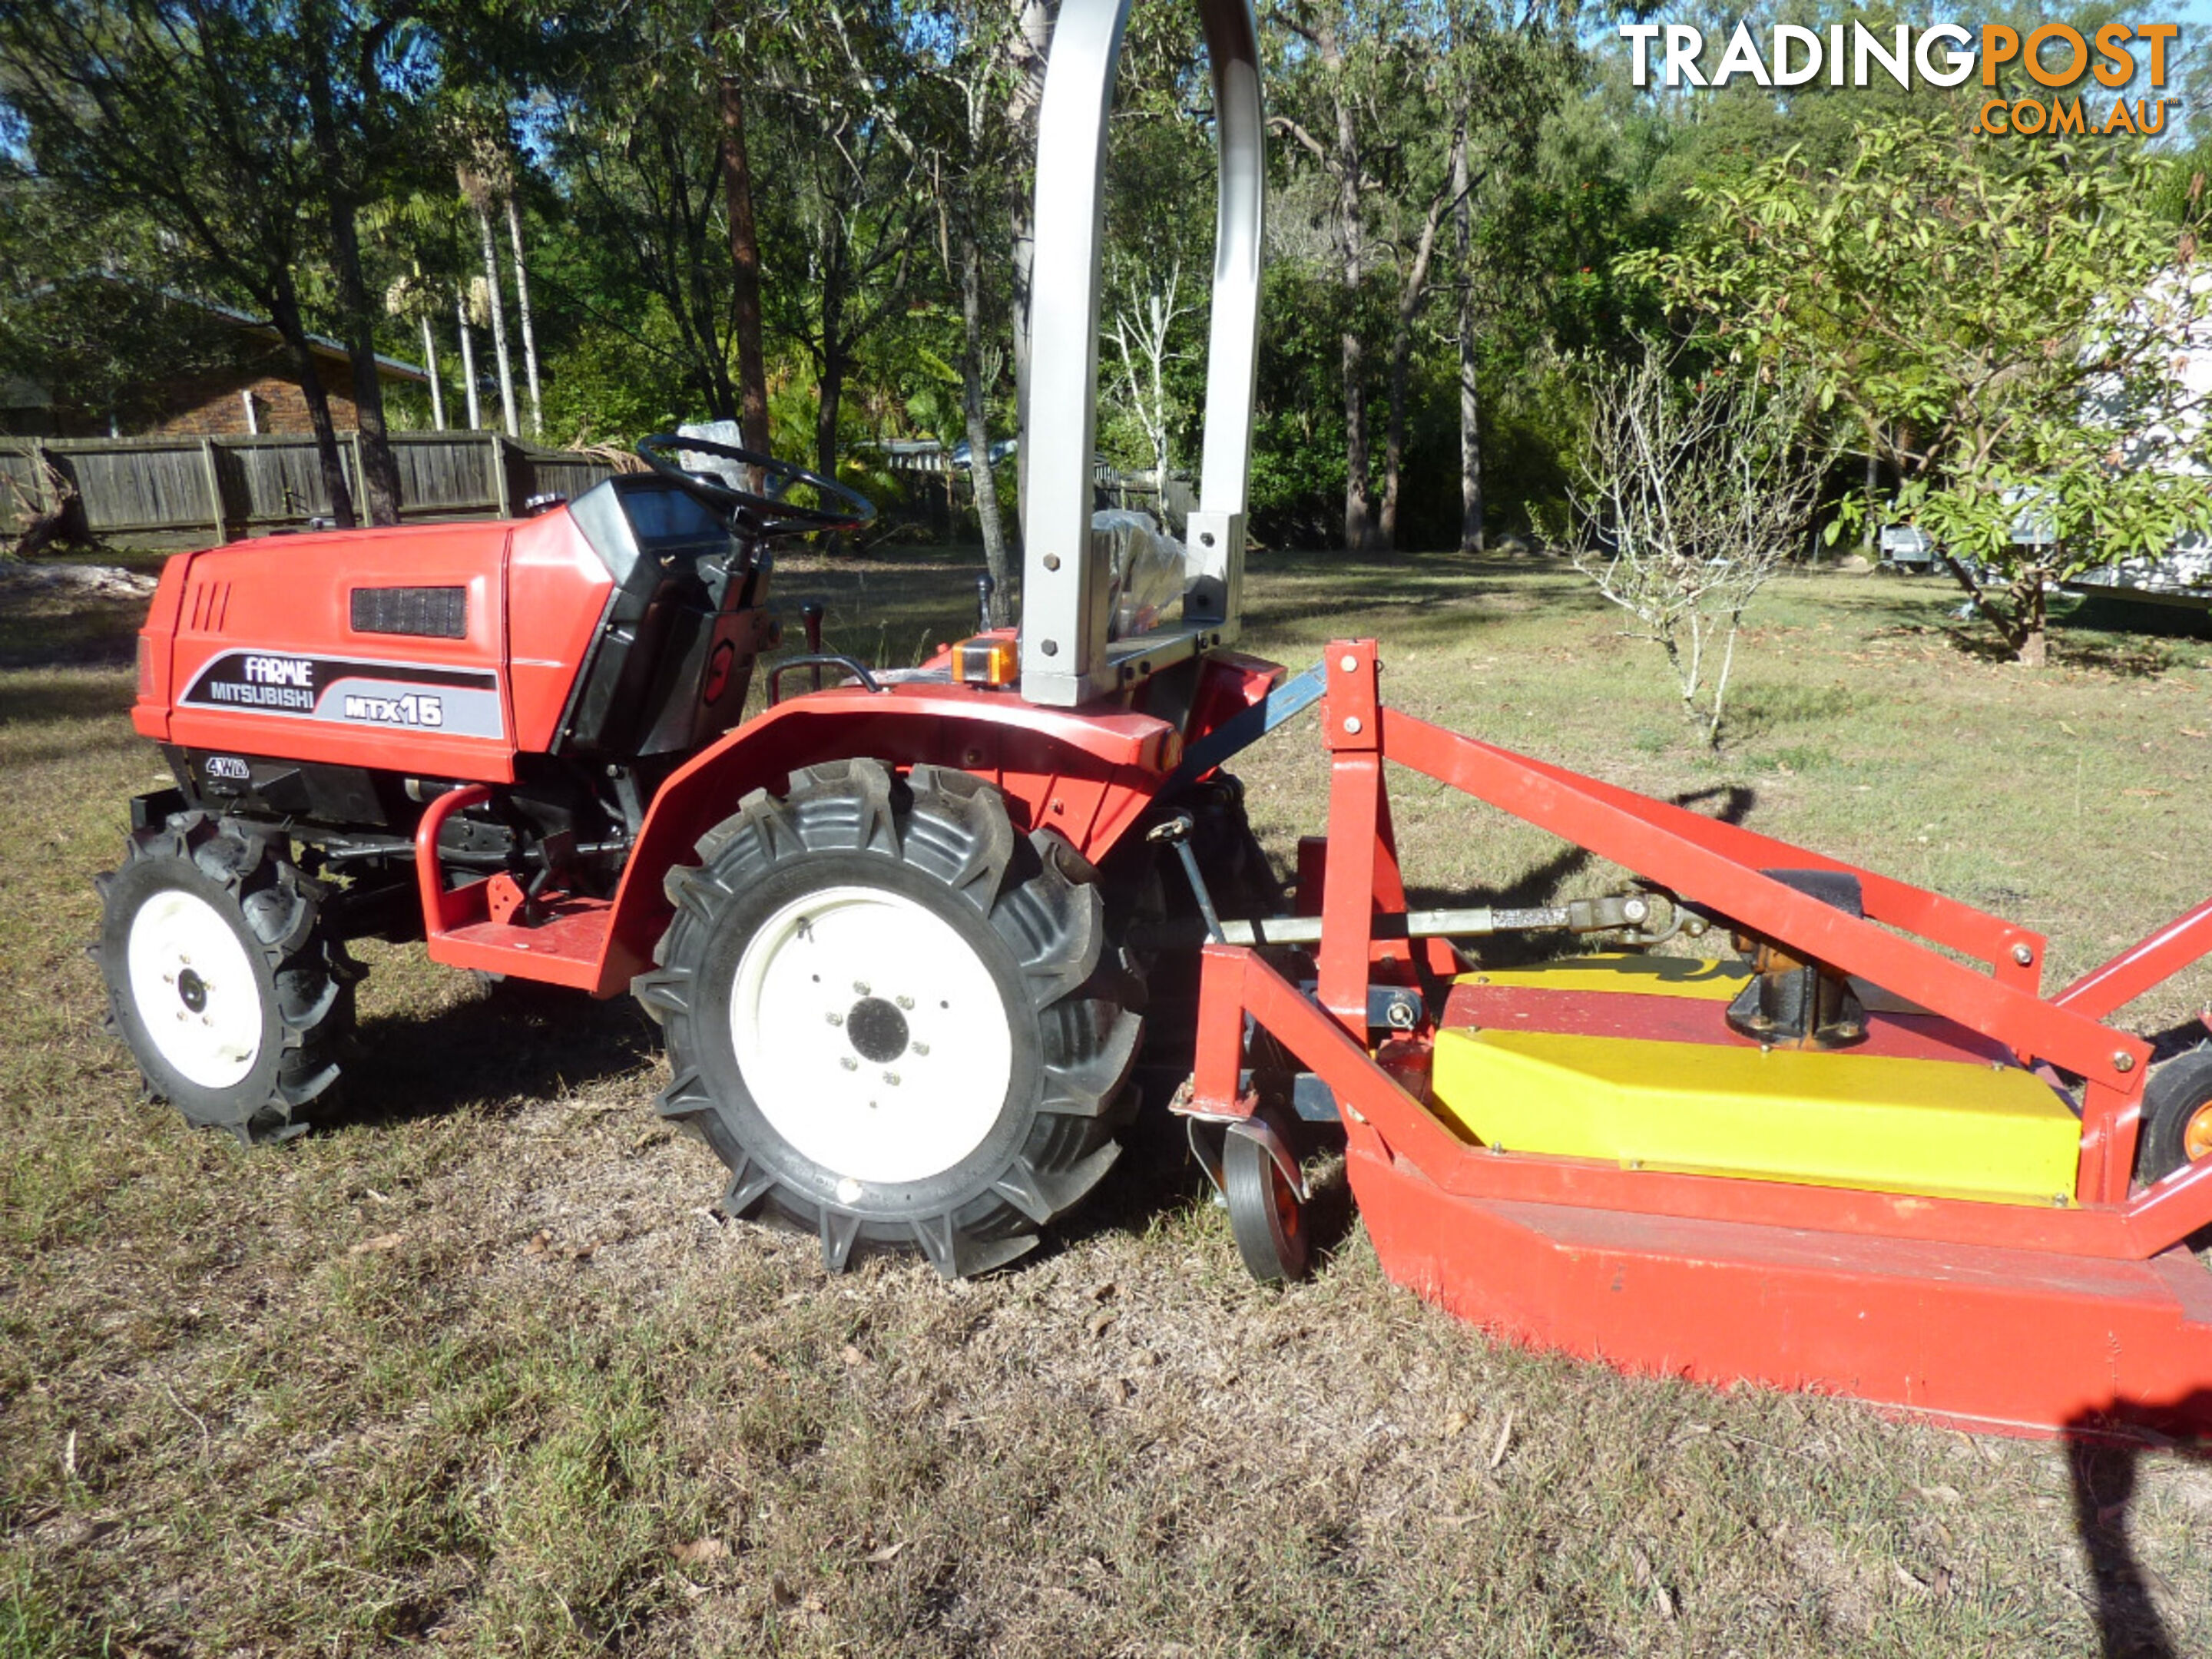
pixel 905 930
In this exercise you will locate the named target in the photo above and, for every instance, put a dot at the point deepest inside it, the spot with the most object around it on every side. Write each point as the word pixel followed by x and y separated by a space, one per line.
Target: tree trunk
pixel 744 260
pixel 985 482
pixel 498 309
pixel 380 472
pixel 1034 26
pixel 430 363
pixel 2032 617
pixel 379 478
pixel 830 387
pixel 468 362
pixel 522 317
pixel 1358 500
pixel 285 314
pixel 1410 298
pixel 1472 530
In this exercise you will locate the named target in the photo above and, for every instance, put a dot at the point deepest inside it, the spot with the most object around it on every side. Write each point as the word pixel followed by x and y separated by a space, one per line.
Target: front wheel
pixel 223 975
pixel 889 1015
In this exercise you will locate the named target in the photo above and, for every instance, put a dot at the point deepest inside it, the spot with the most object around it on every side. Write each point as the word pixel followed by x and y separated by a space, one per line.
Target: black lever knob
pixel 810 615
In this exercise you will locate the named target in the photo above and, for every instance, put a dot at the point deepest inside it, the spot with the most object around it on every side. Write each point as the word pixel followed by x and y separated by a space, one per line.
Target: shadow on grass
pixel 34 702
pixel 2103 1452
pixel 517 1042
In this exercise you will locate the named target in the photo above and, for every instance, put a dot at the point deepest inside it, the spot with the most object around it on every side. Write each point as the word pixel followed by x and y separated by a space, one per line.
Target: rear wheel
pixel 890 1016
pixel 223 977
pixel 2177 1122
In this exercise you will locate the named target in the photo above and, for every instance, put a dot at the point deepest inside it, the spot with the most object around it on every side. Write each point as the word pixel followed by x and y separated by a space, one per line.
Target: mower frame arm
pixel 1066 602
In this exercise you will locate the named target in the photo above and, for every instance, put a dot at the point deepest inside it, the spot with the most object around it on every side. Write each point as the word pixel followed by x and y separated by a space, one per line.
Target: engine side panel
pixel 557 593
pixel 378 648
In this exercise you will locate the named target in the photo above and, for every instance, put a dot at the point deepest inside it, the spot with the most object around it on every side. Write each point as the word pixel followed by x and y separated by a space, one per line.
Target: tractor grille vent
pixel 433 613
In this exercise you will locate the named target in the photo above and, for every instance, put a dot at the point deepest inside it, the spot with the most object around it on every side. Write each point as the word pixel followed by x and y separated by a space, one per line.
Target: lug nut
pixel 858 989
pixel 848 1062
pixel 904 1002
pixel 834 1018
pixel 921 1048
pixel 891 1078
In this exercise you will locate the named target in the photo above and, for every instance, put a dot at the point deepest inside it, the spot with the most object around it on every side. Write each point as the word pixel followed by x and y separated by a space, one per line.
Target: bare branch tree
pixel 1145 315
pixel 1692 492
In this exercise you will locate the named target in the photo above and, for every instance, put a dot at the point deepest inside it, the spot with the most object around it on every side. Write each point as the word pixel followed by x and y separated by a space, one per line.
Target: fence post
pixel 360 479
pixel 495 447
pixel 215 490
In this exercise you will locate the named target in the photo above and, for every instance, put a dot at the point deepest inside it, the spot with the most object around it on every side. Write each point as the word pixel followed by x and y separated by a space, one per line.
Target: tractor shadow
pixel 511 1044
pixel 2104 1455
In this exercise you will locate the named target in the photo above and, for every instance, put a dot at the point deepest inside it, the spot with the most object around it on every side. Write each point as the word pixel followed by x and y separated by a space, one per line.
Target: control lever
pixel 985 587
pixel 810 616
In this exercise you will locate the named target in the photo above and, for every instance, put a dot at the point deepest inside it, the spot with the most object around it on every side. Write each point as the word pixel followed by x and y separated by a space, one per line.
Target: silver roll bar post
pixel 1066 610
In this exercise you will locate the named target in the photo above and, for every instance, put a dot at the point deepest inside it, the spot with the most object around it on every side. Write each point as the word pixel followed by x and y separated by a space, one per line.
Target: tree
pixel 1692 491
pixel 1142 330
pixel 1343 70
pixel 191 118
pixel 1994 321
pixel 352 62
pixel 479 183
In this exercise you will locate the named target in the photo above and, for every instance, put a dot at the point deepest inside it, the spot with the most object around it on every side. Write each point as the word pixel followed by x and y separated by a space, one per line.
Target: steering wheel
pixel 768 514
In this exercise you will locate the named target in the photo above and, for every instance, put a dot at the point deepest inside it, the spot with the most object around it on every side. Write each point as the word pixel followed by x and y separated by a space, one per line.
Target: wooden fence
pixel 219 488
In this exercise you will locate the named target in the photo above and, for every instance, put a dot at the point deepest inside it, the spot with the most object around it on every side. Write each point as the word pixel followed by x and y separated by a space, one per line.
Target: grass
pixel 473 1367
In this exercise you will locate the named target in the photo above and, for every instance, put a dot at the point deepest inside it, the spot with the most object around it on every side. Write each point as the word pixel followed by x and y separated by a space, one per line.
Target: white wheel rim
pixel 871 1035
pixel 194 989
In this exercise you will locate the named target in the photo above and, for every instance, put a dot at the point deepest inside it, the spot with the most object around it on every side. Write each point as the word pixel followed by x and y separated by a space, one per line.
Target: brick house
pixel 241 381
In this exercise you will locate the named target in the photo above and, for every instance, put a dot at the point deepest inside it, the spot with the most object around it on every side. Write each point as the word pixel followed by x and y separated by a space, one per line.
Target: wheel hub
pixel 870 1036
pixel 876 1029
pixel 193 989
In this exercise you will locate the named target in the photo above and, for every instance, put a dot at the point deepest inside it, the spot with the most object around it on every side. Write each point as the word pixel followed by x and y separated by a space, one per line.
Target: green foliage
pixel 1993 320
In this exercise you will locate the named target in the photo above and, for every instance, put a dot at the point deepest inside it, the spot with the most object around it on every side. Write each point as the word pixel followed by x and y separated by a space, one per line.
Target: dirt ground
pixel 475 1365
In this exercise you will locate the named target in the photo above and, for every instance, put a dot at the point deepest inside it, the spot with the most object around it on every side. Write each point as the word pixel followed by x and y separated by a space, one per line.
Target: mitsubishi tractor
pixel 884 916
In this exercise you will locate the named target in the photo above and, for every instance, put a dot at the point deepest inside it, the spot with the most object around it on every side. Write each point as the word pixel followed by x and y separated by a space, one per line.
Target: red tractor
pixel 870 916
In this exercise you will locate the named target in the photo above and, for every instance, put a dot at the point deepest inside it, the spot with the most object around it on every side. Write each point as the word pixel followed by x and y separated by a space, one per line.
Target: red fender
pixel 1087 776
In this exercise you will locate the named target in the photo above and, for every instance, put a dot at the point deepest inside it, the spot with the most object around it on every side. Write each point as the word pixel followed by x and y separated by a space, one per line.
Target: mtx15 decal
pixel 348 691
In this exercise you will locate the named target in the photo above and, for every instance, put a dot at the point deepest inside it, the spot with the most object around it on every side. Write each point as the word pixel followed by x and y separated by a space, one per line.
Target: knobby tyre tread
pixel 1030 901
pixel 304 977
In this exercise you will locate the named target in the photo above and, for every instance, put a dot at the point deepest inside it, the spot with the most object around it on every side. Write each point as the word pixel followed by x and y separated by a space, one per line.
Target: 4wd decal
pixel 347 691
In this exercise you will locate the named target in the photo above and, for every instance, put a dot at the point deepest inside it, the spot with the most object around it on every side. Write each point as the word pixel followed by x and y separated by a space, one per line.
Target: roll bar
pixel 1066 658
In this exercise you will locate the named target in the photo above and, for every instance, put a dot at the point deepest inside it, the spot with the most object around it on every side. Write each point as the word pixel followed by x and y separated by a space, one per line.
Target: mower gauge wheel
pixel 764 513
pixel 2177 1116
pixel 1265 1215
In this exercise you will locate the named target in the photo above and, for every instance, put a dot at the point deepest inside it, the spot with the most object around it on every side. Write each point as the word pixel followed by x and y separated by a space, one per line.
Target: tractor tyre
pixel 893 1017
pixel 223 977
pixel 2177 1116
